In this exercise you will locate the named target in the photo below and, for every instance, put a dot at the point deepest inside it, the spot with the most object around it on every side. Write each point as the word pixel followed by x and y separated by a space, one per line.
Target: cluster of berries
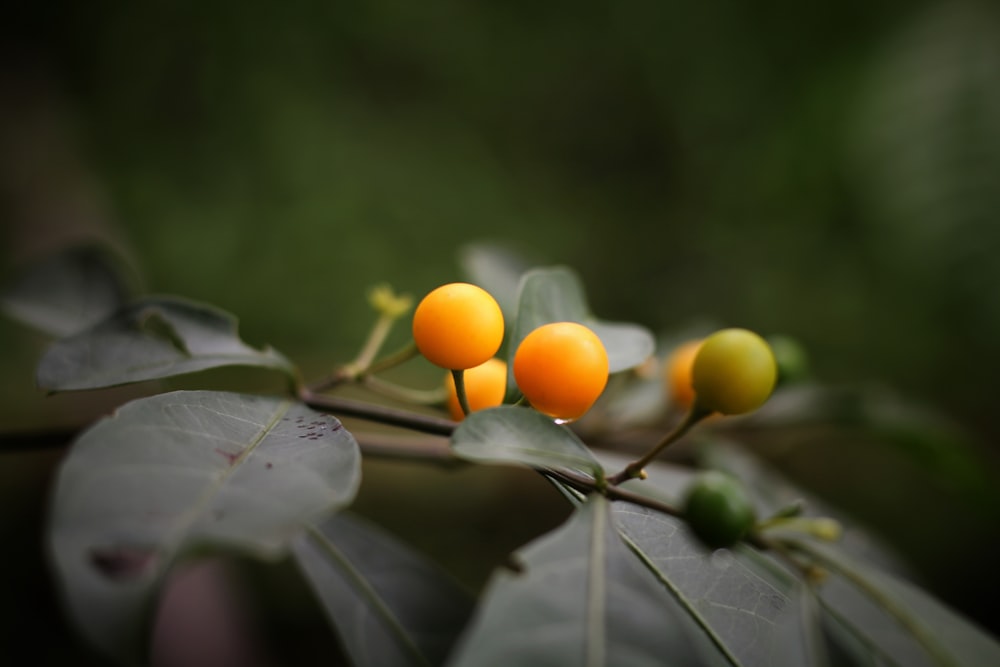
pixel 561 368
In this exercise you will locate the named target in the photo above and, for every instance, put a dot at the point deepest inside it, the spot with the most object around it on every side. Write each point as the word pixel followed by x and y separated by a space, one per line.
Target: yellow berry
pixel 458 326
pixel 733 372
pixel 485 386
pixel 561 368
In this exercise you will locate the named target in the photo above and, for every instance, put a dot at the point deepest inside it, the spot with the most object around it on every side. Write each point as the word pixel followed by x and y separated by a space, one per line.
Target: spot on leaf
pixel 229 456
pixel 121 563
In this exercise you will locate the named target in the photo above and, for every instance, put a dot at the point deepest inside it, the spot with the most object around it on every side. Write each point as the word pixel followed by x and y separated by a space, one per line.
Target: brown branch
pixel 346 407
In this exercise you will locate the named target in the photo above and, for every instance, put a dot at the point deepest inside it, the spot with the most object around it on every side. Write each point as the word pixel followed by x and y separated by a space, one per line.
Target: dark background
pixel 827 171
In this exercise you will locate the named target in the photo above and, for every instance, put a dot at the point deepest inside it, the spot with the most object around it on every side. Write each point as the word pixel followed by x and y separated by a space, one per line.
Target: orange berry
pixel 561 368
pixel 458 326
pixel 678 373
pixel 485 386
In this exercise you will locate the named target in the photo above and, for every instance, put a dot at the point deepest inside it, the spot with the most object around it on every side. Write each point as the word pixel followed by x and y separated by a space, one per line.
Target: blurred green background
pixel 830 172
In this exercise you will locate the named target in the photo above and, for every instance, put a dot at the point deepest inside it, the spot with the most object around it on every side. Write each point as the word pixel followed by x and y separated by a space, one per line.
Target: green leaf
pixel 556 295
pixel 389 606
pixel 509 434
pixel 68 291
pixel 754 612
pixel 579 597
pixel 901 621
pixel 176 471
pixel 155 337
pixel 496 269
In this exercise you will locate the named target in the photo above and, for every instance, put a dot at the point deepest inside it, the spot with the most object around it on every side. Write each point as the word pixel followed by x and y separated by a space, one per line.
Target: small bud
pixel 386 302
pixel 824 528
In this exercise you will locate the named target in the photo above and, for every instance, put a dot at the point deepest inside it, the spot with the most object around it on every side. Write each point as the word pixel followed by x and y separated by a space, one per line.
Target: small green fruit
pixel 717 509
pixel 791 357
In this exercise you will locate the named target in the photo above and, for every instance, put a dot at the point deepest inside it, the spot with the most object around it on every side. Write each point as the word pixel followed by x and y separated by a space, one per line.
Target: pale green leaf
pixel 155 337
pixel 67 292
pixel 580 597
pixel 389 606
pixel 178 471
pixel 509 434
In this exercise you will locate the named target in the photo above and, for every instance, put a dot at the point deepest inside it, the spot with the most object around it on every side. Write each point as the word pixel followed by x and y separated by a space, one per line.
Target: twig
pixel 379 413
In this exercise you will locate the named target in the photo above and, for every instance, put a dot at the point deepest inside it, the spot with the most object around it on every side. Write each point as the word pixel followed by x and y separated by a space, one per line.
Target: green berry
pixel 717 509
pixel 791 357
pixel 734 372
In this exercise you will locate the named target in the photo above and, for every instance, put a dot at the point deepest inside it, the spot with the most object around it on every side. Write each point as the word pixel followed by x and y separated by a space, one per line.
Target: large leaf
pixel 67 292
pixel 509 434
pixel 389 606
pixel 180 470
pixel 556 295
pixel 580 597
pixel 155 337
pixel 893 619
pixel 754 612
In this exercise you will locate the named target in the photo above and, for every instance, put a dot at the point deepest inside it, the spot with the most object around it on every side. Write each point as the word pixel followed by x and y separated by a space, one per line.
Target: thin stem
pixel 587 484
pixel 762 543
pixel 376 338
pixel 378 413
pixel 463 400
pixel 634 469
pixel 404 353
pixel 405 394
pixel 423 448
pixel 353 372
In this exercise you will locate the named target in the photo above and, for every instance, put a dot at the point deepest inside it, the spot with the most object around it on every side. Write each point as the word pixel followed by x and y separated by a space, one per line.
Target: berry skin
pixel 734 372
pixel 458 326
pixel 485 386
pixel 717 509
pixel 561 368
pixel 677 371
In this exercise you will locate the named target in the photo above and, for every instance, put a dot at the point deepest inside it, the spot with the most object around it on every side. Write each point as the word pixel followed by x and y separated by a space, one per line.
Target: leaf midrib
pixel 682 600
pixel 187 519
pixel 596 643
pixel 366 591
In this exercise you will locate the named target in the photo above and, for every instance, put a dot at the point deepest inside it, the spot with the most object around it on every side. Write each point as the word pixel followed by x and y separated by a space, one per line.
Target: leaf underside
pixel 389 606
pixel 176 471
pixel 153 338
pixel 580 597
pixel 509 434
pixel 68 292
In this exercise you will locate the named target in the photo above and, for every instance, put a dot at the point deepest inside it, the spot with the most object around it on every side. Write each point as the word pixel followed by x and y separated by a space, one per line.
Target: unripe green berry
pixel 734 372
pixel 717 509
pixel 791 357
